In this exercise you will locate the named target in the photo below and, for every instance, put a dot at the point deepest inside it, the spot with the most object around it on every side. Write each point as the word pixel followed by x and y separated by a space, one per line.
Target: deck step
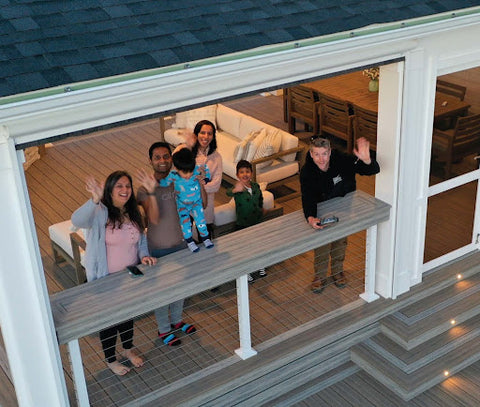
pixel 312 387
pixel 432 316
pixel 409 385
pixel 437 347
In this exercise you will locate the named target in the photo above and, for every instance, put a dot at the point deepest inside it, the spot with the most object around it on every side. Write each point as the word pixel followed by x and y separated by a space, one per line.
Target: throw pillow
pixel 241 148
pixel 270 145
pixel 254 144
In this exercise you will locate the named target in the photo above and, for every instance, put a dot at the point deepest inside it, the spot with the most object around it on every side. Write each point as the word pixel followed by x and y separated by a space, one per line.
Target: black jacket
pixel 318 186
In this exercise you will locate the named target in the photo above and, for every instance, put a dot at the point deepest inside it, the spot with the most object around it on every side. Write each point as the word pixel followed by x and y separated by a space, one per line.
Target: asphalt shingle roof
pixel 46 43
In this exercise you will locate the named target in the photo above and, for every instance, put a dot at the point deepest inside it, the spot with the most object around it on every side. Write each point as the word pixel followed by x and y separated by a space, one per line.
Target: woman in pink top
pixel 115 239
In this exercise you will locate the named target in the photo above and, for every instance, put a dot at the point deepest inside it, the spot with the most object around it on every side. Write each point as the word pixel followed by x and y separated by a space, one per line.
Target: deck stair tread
pixel 409 385
pixel 437 347
pixel 442 299
pixel 277 383
pixel 410 334
pixel 308 388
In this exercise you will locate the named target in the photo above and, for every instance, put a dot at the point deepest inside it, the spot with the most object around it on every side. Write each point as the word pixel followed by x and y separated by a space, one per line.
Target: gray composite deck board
pixel 90 307
pixel 313 386
pixel 412 335
pixel 410 360
pixel 441 300
pixel 410 385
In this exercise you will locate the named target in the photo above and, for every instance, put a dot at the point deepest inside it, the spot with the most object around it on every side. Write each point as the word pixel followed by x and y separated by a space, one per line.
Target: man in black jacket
pixel 328 174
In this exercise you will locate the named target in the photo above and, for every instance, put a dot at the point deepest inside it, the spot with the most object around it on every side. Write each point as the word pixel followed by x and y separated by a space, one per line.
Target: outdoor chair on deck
pixel 451 89
pixel 301 106
pixel 455 144
pixel 365 125
pixel 68 244
pixel 335 119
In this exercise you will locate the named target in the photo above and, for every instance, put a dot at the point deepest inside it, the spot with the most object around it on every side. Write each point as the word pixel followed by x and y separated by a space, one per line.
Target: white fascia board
pixel 38 119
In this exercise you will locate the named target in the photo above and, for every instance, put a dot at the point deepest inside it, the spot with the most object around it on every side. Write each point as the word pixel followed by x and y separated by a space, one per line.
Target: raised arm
pixel 146 196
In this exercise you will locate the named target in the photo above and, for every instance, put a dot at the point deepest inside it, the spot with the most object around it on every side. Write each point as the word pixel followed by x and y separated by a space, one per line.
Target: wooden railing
pixel 90 307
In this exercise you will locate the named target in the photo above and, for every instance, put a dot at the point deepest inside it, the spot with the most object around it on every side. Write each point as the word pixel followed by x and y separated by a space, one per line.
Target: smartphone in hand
pixel 134 271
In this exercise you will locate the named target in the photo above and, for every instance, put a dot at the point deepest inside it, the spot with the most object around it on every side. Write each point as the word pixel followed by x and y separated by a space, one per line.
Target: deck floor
pixel 280 302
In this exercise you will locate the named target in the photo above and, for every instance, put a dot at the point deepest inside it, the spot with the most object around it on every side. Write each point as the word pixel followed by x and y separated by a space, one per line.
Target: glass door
pixel 453 195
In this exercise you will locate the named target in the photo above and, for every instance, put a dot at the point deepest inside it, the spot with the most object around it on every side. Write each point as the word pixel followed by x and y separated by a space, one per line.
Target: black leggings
pixel 108 337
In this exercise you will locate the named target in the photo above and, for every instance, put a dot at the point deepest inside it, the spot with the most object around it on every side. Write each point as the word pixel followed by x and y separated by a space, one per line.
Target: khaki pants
pixel 334 251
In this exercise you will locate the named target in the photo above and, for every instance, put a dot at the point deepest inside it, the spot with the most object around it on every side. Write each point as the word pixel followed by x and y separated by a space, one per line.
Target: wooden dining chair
pixel 334 118
pixel 451 89
pixel 301 106
pixel 455 144
pixel 365 125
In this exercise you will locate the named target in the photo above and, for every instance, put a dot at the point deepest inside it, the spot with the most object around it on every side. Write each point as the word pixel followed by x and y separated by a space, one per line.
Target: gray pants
pixel 335 252
pixel 164 319
pixel 172 313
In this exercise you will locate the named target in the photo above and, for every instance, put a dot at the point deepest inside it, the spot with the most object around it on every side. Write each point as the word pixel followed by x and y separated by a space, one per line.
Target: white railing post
pixel 78 374
pixel 245 351
pixel 370 260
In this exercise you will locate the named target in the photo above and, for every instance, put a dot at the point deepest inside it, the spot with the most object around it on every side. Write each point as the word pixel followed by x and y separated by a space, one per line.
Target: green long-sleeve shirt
pixel 248 207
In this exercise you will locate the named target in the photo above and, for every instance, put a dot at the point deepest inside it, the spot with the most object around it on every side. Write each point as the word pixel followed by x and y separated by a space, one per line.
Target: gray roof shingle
pixel 54 43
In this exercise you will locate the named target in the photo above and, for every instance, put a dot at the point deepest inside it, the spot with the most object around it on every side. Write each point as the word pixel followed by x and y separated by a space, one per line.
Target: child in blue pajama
pixel 188 196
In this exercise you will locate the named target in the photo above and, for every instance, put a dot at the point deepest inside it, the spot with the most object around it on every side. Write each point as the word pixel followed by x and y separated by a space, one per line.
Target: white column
pixel 245 351
pixel 78 373
pixel 370 265
pixel 25 315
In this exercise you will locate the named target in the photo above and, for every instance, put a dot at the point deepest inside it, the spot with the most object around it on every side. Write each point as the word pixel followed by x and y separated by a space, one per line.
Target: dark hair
pixel 158 144
pixel 213 144
pixel 244 164
pixel 131 207
pixel 184 160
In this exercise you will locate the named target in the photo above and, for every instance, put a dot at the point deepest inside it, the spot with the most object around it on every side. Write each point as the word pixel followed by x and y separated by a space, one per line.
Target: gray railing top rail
pixel 87 308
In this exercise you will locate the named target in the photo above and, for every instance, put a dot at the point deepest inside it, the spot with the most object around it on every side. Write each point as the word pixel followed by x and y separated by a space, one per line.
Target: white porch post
pixel 370 262
pixel 25 316
pixel 245 351
pixel 78 373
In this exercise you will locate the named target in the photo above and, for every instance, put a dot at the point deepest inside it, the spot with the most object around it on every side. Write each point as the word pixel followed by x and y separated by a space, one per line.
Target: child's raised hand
pixel 96 189
pixel 238 187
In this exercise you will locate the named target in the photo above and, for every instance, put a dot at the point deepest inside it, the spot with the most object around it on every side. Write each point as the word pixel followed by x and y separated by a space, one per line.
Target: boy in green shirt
pixel 248 202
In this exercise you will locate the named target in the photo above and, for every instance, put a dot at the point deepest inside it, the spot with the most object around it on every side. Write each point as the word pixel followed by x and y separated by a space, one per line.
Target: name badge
pixel 337 179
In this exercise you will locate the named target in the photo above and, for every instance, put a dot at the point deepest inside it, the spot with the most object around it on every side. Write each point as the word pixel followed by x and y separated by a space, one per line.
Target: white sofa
pixel 272 151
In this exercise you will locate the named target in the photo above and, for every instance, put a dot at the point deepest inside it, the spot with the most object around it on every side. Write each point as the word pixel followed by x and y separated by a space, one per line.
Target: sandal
pixel 169 339
pixel 187 328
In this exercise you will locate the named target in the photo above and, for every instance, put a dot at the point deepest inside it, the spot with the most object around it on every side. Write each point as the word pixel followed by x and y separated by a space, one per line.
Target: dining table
pixel 353 88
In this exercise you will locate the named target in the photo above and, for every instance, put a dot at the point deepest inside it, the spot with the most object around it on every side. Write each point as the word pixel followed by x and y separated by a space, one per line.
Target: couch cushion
pixel 249 124
pixel 226 144
pixel 277 171
pixel 288 141
pixel 175 136
pixel 189 118
pixel 228 120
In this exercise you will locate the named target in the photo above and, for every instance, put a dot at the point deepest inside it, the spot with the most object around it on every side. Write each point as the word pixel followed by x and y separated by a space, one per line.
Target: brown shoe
pixel 318 285
pixel 340 280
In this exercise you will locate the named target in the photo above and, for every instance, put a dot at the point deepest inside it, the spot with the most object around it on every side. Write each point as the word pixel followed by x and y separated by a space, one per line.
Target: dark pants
pixel 108 337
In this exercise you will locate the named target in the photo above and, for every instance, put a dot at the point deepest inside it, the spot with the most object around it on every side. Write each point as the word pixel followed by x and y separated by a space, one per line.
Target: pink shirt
pixel 121 246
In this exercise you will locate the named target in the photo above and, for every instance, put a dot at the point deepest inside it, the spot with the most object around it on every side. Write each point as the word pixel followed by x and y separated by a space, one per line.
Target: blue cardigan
pixel 93 217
